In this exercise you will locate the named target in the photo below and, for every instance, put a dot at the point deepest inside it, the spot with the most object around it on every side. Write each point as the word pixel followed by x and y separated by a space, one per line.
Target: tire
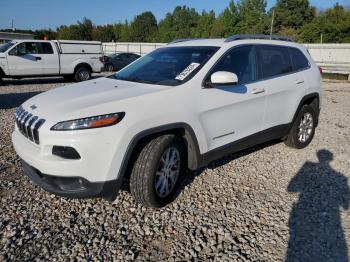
pixel 0 78
pixel 82 74
pixel 302 133
pixel 109 68
pixel 147 171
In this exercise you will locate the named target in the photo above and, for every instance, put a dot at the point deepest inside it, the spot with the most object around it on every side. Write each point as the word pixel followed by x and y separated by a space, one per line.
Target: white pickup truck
pixel 74 60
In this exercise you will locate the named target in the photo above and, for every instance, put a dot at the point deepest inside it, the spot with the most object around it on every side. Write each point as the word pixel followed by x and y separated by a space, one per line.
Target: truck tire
pixel 156 173
pixel 82 73
pixel 303 128
pixel 109 67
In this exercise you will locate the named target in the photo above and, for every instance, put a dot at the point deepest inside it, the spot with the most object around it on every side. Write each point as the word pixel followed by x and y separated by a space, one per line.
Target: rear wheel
pixel 82 74
pixel 109 68
pixel 303 129
pixel 157 171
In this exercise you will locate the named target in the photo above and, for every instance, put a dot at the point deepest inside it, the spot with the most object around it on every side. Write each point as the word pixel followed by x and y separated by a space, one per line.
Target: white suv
pixel 179 107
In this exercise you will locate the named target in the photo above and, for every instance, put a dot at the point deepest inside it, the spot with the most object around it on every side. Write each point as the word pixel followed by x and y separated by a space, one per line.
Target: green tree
pixel 143 28
pixel 182 23
pixel 205 25
pixel 293 13
pixel 333 24
pixel 251 17
pixel 225 24
pixel 122 32
pixel 103 33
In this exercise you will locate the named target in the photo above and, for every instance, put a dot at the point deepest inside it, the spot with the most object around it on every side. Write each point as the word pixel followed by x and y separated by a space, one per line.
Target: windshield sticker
pixel 188 70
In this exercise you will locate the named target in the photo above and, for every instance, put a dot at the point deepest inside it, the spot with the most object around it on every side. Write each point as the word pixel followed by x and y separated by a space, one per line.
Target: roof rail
pixel 182 40
pixel 259 36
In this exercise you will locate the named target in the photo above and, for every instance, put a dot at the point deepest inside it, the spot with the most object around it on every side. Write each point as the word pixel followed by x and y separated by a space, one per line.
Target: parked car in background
pixel 74 60
pixel 116 62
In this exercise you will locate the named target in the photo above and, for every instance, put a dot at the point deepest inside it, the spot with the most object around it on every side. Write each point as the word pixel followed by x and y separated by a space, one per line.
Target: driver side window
pixel 25 48
pixel 241 61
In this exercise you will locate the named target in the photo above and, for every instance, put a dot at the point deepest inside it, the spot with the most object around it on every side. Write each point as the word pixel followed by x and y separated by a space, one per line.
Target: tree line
pixel 296 18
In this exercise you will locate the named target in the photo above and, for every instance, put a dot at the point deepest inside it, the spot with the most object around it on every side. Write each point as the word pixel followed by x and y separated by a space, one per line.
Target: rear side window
pixel 273 61
pixel 46 48
pixel 241 61
pixel 299 60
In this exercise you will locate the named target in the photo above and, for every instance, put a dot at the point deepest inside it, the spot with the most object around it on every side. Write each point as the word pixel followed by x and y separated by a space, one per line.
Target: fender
pixel 307 100
pixel 182 129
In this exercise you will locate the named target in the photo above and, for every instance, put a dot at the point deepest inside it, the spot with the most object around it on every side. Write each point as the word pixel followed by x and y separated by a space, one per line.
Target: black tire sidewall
pixel 109 67
pixel 294 132
pixel 176 143
pixel 143 185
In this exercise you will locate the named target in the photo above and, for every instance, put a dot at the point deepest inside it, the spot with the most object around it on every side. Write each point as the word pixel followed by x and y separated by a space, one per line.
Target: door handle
pixel 258 90
pixel 299 81
pixel 37 58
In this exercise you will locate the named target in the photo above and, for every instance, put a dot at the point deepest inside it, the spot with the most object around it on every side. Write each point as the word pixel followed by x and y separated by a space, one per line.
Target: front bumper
pixel 72 187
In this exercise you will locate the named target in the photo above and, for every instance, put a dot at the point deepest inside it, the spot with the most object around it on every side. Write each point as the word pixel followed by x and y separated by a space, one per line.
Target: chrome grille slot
pixel 36 130
pixel 28 124
pixel 29 127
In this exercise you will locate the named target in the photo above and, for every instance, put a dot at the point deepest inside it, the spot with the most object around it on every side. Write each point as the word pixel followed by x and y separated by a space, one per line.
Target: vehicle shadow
pixel 315 228
pixel 12 100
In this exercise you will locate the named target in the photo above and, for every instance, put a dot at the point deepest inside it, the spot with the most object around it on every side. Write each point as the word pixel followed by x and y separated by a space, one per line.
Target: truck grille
pixel 28 124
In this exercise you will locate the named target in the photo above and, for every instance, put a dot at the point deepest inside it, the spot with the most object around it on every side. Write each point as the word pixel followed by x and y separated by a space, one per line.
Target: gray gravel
pixel 269 203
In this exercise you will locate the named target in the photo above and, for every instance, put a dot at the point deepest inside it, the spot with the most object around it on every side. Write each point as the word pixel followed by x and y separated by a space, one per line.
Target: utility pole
pixel 321 38
pixel 12 27
pixel 272 20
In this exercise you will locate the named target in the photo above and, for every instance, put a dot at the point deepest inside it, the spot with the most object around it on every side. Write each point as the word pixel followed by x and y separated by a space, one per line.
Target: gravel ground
pixel 269 203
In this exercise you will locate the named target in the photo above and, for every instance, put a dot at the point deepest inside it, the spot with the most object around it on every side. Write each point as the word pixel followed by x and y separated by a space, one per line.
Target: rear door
pixel 24 59
pixel 49 58
pixel 283 85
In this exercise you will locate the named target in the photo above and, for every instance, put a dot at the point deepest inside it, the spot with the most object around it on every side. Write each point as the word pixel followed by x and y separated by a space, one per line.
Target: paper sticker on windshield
pixel 188 70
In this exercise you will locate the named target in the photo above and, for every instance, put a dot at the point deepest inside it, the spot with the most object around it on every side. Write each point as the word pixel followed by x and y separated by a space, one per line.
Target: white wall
pixel 137 48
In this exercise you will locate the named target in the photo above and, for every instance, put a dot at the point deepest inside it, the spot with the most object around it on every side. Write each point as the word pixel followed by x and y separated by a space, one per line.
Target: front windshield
pixel 5 47
pixel 167 66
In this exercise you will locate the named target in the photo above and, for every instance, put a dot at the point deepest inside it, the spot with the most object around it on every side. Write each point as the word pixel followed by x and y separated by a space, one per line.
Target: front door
pixel 233 112
pixel 24 59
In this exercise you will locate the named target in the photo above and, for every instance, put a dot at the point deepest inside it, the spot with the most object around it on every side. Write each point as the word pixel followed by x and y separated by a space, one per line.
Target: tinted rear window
pixel 274 61
pixel 298 59
pixel 46 48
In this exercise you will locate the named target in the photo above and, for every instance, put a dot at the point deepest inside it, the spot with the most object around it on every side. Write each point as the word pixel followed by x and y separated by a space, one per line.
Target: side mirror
pixel 13 51
pixel 223 78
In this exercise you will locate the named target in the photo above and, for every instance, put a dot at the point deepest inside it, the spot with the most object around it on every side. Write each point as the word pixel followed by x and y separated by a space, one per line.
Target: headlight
pixel 89 122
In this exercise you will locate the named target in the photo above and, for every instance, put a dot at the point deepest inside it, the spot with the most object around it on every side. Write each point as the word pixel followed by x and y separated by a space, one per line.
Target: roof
pixel 236 39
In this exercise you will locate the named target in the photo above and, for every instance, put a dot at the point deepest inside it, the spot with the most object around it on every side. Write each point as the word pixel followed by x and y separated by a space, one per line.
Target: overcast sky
pixel 36 14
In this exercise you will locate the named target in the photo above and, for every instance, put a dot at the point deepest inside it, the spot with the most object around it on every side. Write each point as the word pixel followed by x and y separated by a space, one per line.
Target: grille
pixel 28 124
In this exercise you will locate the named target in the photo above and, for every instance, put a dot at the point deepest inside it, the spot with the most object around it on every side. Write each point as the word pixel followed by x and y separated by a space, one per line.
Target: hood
pixel 94 97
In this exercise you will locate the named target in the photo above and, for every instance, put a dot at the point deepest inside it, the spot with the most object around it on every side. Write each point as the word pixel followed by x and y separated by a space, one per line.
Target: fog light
pixel 65 152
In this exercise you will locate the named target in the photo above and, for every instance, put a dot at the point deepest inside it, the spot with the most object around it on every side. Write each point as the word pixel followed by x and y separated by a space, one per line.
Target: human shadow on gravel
pixel 12 100
pixel 315 228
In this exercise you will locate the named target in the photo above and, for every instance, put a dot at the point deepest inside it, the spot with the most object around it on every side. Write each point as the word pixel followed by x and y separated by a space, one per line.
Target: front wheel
pixel 82 74
pixel 157 171
pixel 303 129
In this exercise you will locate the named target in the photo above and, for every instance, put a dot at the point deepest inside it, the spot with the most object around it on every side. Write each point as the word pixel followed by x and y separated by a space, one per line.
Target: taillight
pixel 321 71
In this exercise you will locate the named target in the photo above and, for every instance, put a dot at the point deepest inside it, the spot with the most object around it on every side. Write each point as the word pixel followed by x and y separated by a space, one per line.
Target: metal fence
pixel 332 58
